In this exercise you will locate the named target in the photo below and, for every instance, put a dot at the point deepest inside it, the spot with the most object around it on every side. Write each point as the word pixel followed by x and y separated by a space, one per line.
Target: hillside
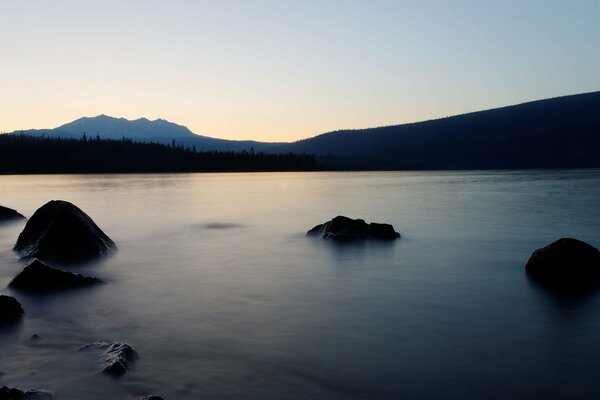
pixel 562 132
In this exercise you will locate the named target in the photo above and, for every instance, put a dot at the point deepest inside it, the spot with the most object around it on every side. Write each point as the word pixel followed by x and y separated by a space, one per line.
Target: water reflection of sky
pixel 223 296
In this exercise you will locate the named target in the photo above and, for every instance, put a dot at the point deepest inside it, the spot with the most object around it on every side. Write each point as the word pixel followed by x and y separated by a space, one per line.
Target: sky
pixel 284 70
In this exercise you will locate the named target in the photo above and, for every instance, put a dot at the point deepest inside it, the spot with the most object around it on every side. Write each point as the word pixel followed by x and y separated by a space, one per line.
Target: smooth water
pixel 224 297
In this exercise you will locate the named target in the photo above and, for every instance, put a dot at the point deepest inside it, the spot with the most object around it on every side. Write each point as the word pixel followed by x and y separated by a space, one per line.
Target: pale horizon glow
pixel 283 71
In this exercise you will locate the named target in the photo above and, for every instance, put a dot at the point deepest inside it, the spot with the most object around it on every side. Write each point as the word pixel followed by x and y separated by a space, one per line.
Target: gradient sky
pixel 283 70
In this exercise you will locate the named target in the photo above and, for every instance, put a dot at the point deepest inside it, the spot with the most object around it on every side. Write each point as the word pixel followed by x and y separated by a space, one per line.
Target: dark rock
pixel 60 231
pixel 8 214
pixel 117 358
pixel 10 310
pixel 7 393
pixel 566 263
pixel 344 229
pixel 34 339
pixel 153 397
pixel 38 277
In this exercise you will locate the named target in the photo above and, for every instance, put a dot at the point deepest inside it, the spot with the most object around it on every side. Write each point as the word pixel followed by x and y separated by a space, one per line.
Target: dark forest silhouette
pixel 26 154
pixel 562 132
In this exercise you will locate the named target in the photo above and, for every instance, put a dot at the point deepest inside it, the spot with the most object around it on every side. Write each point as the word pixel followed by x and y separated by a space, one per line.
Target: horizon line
pixel 314 135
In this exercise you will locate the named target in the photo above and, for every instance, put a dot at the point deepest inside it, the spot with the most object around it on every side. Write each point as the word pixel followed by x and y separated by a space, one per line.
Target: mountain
pixel 562 132
pixel 115 128
pixel 144 130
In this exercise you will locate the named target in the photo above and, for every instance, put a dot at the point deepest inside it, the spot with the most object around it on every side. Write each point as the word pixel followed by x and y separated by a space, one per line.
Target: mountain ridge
pixel 510 106
pixel 559 132
pixel 143 130
pixel 137 128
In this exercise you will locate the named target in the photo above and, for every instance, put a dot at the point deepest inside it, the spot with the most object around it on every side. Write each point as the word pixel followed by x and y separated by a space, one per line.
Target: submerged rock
pixel 38 277
pixel 566 263
pixel 343 229
pixel 7 393
pixel 10 310
pixel 60 231
pixel 8 214
pixel 117 357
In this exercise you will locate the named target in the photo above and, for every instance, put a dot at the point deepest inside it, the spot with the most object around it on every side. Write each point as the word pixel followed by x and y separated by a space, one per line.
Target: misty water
pixel 223 296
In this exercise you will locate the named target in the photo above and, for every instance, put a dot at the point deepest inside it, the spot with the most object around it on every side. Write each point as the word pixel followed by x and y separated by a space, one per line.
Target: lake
pixel 224 297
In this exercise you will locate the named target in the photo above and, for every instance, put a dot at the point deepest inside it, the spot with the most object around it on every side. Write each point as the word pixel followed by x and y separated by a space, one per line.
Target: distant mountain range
pixel 144 130
pixel 562 132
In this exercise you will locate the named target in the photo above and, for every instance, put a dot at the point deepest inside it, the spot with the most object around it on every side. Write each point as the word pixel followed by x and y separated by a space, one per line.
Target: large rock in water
pixel 566 263
pixel 59 231
pixel 38 277
pixel 117 357
pixel 10 310
pixel 346 229
pixel 7 393
pixel 8 214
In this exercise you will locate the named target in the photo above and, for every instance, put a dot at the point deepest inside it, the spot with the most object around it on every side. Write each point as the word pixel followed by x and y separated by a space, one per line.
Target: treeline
pixel 22 154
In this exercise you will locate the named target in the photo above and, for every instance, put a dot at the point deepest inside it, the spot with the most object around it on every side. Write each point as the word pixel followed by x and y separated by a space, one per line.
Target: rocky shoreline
pixel 62 234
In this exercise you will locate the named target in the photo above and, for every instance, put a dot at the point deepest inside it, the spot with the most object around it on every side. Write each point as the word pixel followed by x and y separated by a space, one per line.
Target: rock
pixel 7 393
pixel 566 263
pixel 10 310
pixel 344 229
pixel 59 231
pixel 34 339
pixel 38 277
pixel 153 397
pixel 117 357
pixel 8 214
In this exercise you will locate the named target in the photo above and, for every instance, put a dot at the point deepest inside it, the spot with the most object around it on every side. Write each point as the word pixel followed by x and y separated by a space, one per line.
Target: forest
pixel 23 154
pixel 561 132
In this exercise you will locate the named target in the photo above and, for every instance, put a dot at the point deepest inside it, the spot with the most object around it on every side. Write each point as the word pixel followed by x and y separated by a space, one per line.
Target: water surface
pixel 224 297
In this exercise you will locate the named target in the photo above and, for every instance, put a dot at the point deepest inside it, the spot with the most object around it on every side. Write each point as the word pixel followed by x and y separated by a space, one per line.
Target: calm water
pixel 217 288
